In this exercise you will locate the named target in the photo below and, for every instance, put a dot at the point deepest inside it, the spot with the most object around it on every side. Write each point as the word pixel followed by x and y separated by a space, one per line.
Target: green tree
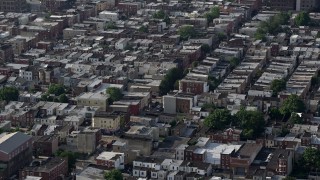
pixel 205 48
pixel 311 158
pixel 72 158
pixel 159 14
pixel 9 94
pixel 221 36
pixel 213 83
pixel 63 98
pixel 47 16
pixel 234 62
pixel 212 14
pixel 260 35
pixel 302 19
pixel 113 175
pixel 167 84
pixel 186 31
pixel 111 25
pixel 115 94
pixel 219 119
pixel 167 20
pixel 274 113
pixel 251 122
pixel 56 89
pixel 194 64
pixel 292 104
pixel 272 26
pixel 277 85
pixel 284 131
pixel 173 123
pixel 208 107
pixel 143 29
pixel 295 119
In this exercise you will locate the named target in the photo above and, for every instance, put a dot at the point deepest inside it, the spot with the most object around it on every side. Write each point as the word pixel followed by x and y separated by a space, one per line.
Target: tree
pixel 113 175
pixel 205 48
pixel 194 64
pixel 213 83
pixel 143 29
pixel 311 158
pixel 284 131
pixel 302 19
pixel 173 123
pixel 167 84
pixel 295 119
pixel 274 113
pixel 72 158
pixel 186 31
pixel 251 122
pixel 208 107
pixel 260 35
pixel 48 15
pixel 234 62
pixel 9 94
pixel 115 94
pixel 63 98
pixel 111 25
pixel 272 26
pixel 221 36
pixel 219 119
pixel 56 89
pixel 167 20
pixel 277 85
pixel 292 104
pixel 212 14
pixel 159 14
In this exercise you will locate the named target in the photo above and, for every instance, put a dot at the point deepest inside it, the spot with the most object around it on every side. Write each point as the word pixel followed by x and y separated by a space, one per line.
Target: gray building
pixel 13 5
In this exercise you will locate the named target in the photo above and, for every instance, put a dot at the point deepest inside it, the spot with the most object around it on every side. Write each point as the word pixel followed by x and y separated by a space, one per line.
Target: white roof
pixel 214 151
pixel 108 155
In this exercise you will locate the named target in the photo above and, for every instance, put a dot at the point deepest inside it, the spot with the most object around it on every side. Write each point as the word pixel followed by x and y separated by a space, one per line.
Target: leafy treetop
pixel 292 104
pixel 113 175
pixel 186 31
pixel 9 94
pixel 115 93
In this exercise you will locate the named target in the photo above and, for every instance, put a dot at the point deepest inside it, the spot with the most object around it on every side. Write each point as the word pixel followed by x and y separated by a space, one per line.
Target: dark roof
pixel 306 135
pixel 45 138
pixel 46 165
pixel 12 141
pixel 248 148
pixel 198 164
pixel 146 159
pixel 278 153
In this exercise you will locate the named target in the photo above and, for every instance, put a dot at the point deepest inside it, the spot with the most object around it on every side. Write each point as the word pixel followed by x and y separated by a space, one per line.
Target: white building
pixel 111 159
pixel 25 74
pixel 112 16
pixel 122 43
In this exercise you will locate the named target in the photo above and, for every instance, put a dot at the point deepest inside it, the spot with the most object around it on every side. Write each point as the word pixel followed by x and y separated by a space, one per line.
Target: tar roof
pixel 10 142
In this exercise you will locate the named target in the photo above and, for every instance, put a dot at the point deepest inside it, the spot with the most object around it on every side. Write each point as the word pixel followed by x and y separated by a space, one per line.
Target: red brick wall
pixel 183 105
pixel 195 87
